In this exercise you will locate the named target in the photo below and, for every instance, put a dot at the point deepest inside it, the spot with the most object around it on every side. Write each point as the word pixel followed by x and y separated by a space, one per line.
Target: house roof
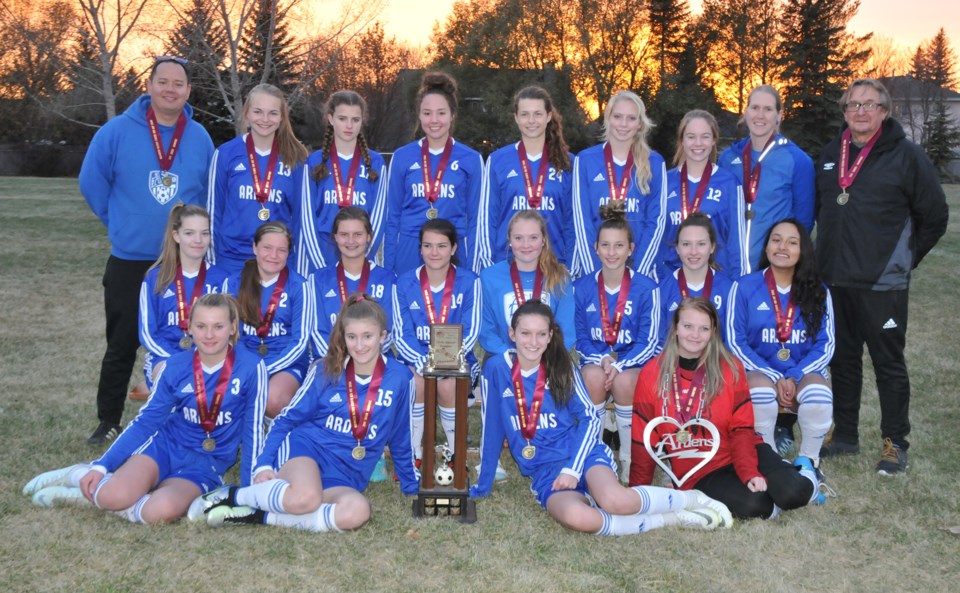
pixel 907 87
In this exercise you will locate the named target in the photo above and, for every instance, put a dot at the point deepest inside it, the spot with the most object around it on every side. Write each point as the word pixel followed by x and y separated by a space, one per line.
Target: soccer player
pixel 622 168
pixel 322 449
pixel 172 286
pixel 434 177
pixel 207 402
pixel 439 291
pixel 617 323
pixel 535 398
pixel 780 325
pixel 256 177
pixel 138 166
pixel 696 184
pixel 343 173
pixel 693 399
pixel 775 174
pixel 533 173
pixel 276 313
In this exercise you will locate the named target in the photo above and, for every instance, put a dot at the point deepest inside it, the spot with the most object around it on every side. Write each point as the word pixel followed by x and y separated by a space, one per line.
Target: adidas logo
pixel 599 177
pixel 507 393
pixel 763 307
pixel 336 399
pixel 168 294
pixel 240 167
pixel 673 307
pixel 414 306
pixel 829 166
pixel 736 161
pixel 330 294
pixel 890 324
pixel 414 167
pixel 673 194
pixel 188 388
pixel 591 308
pixel 512 173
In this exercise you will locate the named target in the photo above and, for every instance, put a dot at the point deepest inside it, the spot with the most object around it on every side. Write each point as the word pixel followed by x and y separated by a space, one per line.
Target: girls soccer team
pixel 656 258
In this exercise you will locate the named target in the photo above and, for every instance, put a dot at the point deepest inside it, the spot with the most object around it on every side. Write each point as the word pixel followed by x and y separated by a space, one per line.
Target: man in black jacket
pixel 880 210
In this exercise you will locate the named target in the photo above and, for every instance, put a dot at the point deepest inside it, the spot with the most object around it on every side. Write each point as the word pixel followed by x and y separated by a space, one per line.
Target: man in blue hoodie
pixel 137 167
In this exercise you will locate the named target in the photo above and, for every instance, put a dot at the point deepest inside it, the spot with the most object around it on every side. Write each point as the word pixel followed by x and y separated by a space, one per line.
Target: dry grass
pixel 880 534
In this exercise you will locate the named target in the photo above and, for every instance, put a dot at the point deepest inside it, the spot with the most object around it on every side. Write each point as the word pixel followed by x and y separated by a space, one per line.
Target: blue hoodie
pixel 121 179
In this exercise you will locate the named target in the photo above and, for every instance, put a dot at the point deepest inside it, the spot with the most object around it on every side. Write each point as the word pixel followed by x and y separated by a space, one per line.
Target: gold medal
pixel 843 198
pixel 262 349
pixel 748 214
pixel 209 444
pixel 783 354
pixel 529 452
pixel 432 213
pixel 359 452
pixel 683 436
pixel 185 342
pixel 263 214
pixel 166 180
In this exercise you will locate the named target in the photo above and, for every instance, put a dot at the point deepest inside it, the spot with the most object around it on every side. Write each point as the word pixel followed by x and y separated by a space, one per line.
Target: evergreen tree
pixel 267 52
pixel 668 19
pixel 818 57
pixel 943 138
pixel 198 39
pixel 935 65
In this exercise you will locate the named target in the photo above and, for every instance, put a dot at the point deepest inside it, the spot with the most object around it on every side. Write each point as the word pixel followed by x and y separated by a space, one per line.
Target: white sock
pixel 774 514
pixel 448 417
pixel 655 500
pixel 132 514
pixel 100 486
pixel 814 417
pixel 77 473
pixel 625 430
pixel 601 412
pixel 267 496
pixel 416 436
pixel 764 412
pixel 319 521
pixel 629 524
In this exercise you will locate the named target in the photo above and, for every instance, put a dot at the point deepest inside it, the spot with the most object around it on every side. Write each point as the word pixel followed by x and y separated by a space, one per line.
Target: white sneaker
pixel 499 475
pixel 56 477
pixel 702 501
pixel 704 519
pixel 203 503
pixel 52 496
pixel 227 515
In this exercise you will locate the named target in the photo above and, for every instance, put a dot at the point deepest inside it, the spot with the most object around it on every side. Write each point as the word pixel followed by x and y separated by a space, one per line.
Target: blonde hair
pixel 640 146
pixel 555 274
pixel 170 255
pixel 219 300
pixel 679 157
pixel 292 151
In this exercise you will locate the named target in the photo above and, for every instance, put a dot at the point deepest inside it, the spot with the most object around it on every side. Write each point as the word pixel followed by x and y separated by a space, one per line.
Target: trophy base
pixel 437 502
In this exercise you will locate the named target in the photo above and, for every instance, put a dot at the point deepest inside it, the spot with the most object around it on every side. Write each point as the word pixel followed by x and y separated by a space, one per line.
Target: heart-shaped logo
pixel 687 449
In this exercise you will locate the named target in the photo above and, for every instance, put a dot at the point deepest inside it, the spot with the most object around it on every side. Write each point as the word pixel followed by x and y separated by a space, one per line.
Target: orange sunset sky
pixel 908 22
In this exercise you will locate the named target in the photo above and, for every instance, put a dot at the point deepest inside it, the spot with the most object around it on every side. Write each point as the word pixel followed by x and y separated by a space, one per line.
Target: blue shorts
pixel 204 470
pixel 299 368
pixel 544 478
pixel 333 470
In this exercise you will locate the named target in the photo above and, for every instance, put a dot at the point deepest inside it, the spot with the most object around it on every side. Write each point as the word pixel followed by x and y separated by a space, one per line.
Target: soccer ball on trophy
pixel 443 475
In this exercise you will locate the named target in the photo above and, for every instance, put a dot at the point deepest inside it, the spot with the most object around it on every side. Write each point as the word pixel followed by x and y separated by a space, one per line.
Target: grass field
pixel 879 534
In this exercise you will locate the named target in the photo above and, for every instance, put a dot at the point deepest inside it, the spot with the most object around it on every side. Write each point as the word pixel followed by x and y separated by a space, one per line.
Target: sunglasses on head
pixel 176 59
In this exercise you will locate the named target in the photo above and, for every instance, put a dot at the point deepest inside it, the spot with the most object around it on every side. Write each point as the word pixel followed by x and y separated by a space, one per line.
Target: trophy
pixel 439 494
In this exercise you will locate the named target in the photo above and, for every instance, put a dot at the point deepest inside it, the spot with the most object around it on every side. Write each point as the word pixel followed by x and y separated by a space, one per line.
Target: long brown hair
pixel 170 254
pixel 713 358
pixel 251 290
pixel 555 275
pixel 640 148
pixel 223 301
pixel 321 171
pixel 292 151
pixel 556 358
pixel 556 149
pixel 358 306
pixel 701 220
pixel 438 83
pixel 679 157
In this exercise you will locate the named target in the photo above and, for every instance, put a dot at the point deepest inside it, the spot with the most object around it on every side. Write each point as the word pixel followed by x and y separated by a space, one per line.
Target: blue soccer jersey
pixel 458 202
pixel 293 322
pixel 670 298
pixel 752 332
pixel 723 202
pixel 412 324
pixel 320 413
pixel 321 206
pixel 505 194
pixel 646 213
pixel 565 435
pixel 326 294
pixel 171 416
pixel 233 204
pixel 637 339
pixel 500 302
